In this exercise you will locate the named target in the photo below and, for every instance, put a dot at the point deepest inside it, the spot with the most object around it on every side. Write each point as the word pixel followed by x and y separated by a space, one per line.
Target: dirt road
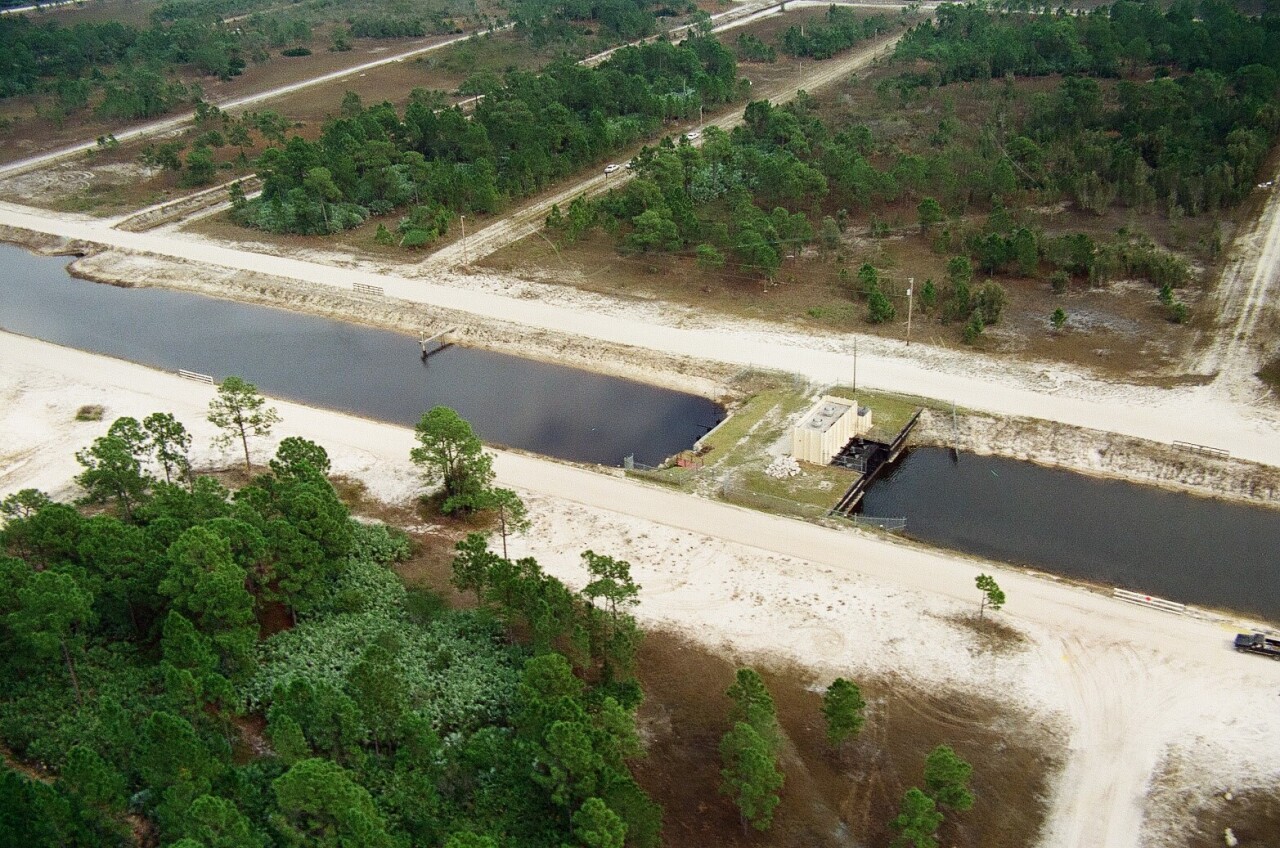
pixel 1120 687
pixel 1247 303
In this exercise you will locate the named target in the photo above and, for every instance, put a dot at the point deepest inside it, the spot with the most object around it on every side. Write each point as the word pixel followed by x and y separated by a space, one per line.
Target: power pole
pixel 855 364
pixel 465 262
pixel 911 281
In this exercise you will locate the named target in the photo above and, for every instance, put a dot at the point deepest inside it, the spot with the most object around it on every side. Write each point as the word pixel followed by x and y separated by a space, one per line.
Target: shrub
pixel 973 327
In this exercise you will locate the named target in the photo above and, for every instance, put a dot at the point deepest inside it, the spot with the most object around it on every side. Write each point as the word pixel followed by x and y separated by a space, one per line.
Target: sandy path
pixel 1128 685
pixel 167 124
pixel 1247 293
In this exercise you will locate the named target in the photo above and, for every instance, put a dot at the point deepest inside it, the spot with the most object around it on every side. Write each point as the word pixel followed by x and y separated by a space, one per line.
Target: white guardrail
pixel 195 375
pixel 1149 601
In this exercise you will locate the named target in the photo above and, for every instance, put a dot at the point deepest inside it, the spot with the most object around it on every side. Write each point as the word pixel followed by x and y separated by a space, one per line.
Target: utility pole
pixel 911 282
pixel 466 263
pixel 855 364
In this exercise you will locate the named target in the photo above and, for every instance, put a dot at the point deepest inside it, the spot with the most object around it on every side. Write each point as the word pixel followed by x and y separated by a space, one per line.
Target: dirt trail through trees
pixel 529 219
pixel 169 124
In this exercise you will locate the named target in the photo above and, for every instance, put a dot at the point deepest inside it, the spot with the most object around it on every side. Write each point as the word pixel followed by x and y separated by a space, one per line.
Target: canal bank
pixel 1048 443
pixel 96 263
pixel 561 436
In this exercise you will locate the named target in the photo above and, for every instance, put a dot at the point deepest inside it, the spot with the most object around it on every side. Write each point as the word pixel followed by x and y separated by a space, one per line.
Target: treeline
pixel 747 197
pixel 1191 142
pixel 547 21
pixel 840 29
pixel 973 42
pixel 126 72
pixel 527 131
pixel 782 182
pixel 189 666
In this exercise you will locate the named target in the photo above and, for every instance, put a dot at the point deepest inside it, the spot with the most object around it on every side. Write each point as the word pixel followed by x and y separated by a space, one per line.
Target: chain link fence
pixel 735 493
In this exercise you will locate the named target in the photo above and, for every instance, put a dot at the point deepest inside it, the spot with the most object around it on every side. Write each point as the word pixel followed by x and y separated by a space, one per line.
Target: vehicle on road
pixel 1257 643
pixel 693 135
pixel 609 169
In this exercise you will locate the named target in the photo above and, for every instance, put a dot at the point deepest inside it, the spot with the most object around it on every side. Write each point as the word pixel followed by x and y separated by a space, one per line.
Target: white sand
pixel 1124 687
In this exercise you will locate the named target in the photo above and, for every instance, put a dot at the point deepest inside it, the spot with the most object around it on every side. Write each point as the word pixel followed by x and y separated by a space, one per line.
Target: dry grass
pixel 90 412
pixel 1119 329
pixel 990 634
pixel 831 799
pixel 1252 814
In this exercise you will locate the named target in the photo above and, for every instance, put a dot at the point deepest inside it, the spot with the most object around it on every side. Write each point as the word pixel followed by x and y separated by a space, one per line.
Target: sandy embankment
pixel 1047 443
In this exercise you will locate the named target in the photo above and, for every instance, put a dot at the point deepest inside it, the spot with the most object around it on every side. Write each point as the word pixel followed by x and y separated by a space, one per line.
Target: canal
pixel 1177 546
pixel 1185 548
pixel 548 409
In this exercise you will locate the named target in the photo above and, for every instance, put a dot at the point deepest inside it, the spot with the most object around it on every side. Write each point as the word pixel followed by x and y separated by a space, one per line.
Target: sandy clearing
pixel 1120 688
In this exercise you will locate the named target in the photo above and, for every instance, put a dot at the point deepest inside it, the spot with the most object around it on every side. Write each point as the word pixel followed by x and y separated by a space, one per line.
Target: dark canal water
pixel 549 409
pixel 1188 549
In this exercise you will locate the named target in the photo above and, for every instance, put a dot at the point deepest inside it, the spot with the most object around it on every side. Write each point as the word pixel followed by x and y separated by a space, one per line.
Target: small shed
pixel 827 427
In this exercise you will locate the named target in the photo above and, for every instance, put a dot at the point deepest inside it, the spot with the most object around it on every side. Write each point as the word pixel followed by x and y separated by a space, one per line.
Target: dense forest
pixel 186 665
pixel 1191 137
pixel 526 131
pixel 840 29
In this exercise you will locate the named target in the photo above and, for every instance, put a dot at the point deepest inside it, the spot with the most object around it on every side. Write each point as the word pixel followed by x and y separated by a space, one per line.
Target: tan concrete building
pixel 828 427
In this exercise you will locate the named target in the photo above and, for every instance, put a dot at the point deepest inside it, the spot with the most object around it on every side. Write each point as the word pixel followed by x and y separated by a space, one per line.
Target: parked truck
pixel 1257 643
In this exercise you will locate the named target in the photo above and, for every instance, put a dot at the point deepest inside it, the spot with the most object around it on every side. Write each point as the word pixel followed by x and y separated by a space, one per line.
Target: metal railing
pixel 1203 449
pixel 197 376
pixel 1149 601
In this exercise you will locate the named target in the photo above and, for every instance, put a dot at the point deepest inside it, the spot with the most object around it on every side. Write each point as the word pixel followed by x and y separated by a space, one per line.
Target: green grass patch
pixel 815 486
pixel 90 412
pixel 672 476
pixel 749 420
